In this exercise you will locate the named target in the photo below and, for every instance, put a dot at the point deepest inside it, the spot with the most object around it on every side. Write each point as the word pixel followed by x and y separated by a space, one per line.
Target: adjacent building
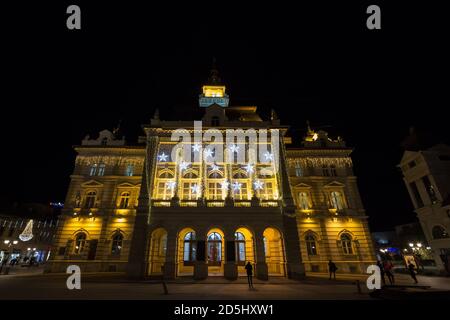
pixel 427 177
pixel 189 200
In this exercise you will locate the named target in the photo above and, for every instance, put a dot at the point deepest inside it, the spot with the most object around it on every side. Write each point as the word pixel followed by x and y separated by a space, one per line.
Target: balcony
pixel 216 203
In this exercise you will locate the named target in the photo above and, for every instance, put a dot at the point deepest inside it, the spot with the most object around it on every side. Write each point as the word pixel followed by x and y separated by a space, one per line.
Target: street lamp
pixel 15 242
pixel 419 245
pixel 6 241
pixel 411 245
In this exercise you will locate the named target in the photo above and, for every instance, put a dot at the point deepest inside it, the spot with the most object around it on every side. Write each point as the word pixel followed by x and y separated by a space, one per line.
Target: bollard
pixel 358 286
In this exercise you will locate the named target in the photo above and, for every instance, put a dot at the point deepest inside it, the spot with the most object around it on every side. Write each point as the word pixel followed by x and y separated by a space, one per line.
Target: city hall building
pixel 173 207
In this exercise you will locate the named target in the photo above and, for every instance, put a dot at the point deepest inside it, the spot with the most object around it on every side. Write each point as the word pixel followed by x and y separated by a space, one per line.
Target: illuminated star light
pixel 249 168
pixel 208 153
pixel 162 157
pixel 268 156
pixel 195 189
pixel 234 148
pixel 196 147
pixel 237 186
pixel 171 185
pixel 184 165
pixel 214 168
pixel 224 185
pixel 258 184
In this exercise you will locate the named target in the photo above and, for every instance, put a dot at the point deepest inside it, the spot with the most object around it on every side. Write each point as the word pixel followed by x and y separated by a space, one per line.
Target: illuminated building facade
pixel 203 204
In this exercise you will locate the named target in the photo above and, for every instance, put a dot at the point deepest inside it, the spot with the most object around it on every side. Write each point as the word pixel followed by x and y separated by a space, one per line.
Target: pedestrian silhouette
pixel 332 269
pixel 412 271
pixel 249 269
pixel 388 270
pixel 380 265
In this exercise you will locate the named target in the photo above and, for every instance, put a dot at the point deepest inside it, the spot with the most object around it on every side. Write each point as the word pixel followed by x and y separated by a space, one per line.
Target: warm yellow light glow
pixel 214 91
pixel 121 220
pixel 315 136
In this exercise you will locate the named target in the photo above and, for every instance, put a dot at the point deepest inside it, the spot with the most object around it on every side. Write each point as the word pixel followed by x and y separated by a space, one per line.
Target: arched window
pixel 311 247
pixel 239 240
pixel 303 200
pixel 124 200
pixel 91 196
pixel 266 247
pixel 80 243
pixel 298 169
pixel 439 233
pixel 163 245
pixel 190 247
pixel 117 241
pixel 337 201
pixel 214 248
pixel 346 241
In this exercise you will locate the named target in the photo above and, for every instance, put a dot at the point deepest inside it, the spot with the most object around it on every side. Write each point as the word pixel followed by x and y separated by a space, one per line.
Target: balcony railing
pixel 216 203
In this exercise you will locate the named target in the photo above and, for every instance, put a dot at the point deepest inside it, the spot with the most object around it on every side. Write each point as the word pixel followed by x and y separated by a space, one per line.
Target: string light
pixel 268 156
pixel 184 165
pixel 208 153
pixel 249 168
pixel 214 167
pixel 224 185
pixel 171 185
pixel 234 148
pixel 195 189
pixel 27 233
pixel 196 147
pixel 237 186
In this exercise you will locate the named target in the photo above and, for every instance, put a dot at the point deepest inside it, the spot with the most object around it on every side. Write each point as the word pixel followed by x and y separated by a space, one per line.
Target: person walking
pixel 388 269
pixel 382 273
pixel 249 269
pixel 412 271
pixel 332 269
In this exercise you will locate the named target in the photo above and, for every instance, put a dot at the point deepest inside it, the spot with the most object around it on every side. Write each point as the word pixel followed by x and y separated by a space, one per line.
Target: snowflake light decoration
pixel 162 157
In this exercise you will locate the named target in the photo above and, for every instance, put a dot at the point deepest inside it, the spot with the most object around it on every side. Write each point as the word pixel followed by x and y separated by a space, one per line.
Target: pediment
pixel 126 185
pixel 302 185
pixel 334 184
pixel 92 183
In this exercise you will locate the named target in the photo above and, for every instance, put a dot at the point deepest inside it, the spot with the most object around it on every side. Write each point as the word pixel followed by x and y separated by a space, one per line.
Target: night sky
pixel 308 62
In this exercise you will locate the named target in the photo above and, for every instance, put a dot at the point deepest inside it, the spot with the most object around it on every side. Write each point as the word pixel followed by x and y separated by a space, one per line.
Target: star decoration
pixel 234 148
pixel 258 184
pixel 249 168
pixel 224 185
pixel 171 185
pixel 162 157
pixel 268 156
pixel 208 153
pixel 214 167
pixel 184 165
pixel 237 186
pixel 195 189
pixel 196 147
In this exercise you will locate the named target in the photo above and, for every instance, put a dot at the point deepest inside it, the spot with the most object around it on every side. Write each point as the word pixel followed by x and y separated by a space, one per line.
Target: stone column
pixel 261 269
pixel 200 266
pixel 230 266
pixel 170 264
pixel 138 258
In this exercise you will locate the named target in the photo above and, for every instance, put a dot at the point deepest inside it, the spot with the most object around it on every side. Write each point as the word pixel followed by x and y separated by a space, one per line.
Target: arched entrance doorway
pixel 187 252
pixel 243 240
pixel 158 248
pixel 215 252
pixel 274 252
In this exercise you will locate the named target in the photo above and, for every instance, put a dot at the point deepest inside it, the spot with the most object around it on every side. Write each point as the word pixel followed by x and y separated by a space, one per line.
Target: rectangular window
pixel 215 191
pixel 93 170
pixel 430 189
pixel 130 170
pixel 101 170
pixel 298 170
pixel 267 191
pixel 241 194
pixel 163 192
pixel 188 192
pixel 303 200
pixel 416 194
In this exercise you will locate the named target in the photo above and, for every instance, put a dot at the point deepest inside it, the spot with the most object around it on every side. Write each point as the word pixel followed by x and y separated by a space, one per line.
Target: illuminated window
pixel 189 191
pixel 93 170
pixel 242 192
pixel 80 243
pixel 190 247
pixel 163 192
pixel 101 169
pixel 267 191
pixel 298 169
pixel 303 201
pixel 117 241
pixel 163 245
pixel 346 242
pixel 214 248
pixel 215 191
pixel 91 197
pixel 129 170
pixel 266 247
pixel 124 200
pixel 240 247
pixel 337 201
pixel 311 247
